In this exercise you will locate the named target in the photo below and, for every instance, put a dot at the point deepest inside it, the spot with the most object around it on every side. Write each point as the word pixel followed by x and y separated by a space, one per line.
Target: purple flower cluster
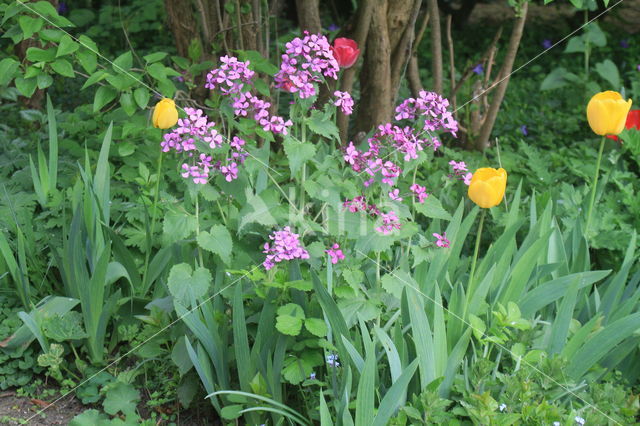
pixel 460 171
pixel 430 107
pixel 441 240
pixel 285 246
pixel 344 101
pixel 420 192
pixel 389 222
pixel 244 103
pixel 230 77
pixel 305 62
pixel 335 253
pixel 196 127
pixel 359 204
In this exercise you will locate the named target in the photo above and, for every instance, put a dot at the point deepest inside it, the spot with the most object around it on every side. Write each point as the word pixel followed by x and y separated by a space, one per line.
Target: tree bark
pixel 375 77
pixel 182 24
pixel 507 66
pixel 401 38
pixel 309 15
pixel 436 46
pixel 360 34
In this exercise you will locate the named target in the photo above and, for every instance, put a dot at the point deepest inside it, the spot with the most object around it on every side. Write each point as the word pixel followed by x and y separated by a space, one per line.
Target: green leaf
pixel 127 104
pixel 63 67
pixel 64 327
pixel 257 62
pixel 121 397
pixel 157 71
pixel 555 79
pixel 66 46
pixel 35 54
pixel 609 72
pixel 141 96
pixel 231 412
pixel 26 86
pixel 90 417
pixel 29 25
pixel 217 241
pixel 123 62
pixel 433 208
pixel 104 95
pixel 94 78
pixel 177 226
pixel 298 153
pixel 154 57
pixel 322 124
pixel 44 81
pixel 8 68
pixel 289 319
pixel 88 60
pixel 187 286
pixel 316 326
pixel 395 282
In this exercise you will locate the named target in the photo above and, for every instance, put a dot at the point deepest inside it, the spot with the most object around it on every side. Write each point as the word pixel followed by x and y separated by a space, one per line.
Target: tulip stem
pixel 476 250
pixel 594 186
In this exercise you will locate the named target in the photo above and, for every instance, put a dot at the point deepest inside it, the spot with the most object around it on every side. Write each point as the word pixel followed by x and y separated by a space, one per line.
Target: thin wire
pixel 539 55
pixel 484 334
pixel 171 324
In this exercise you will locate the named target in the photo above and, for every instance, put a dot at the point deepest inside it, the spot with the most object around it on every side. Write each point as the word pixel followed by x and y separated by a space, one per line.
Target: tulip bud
pixel 345 51
pixel 165 114
pixel 607 113
pixel 487 187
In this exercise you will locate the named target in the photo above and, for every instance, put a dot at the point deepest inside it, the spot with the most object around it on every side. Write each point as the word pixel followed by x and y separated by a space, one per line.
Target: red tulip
pixel 633 121
pixel 345 51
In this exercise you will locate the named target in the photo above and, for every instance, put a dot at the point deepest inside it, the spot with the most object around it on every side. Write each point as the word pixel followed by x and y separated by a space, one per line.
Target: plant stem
pixel 594 185
pixel 303 171
pixel 198 228
pixel 475 251
pixel 587 48
pixel 156 195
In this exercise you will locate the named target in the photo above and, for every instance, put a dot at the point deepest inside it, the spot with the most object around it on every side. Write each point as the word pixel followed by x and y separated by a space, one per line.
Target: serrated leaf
pixel 90 417
pixel 298 153
pixel 177 226
pixel 64 327
pixel 217 241
pixel 121 397
pixel 290 318
pixel 316 326
pixel 186 285
pixel 321 124
pixel 433 208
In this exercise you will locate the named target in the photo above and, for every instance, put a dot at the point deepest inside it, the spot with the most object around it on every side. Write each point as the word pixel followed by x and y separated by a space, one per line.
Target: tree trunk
pixel 182 24
pixel 401 37
pixel 375 77
pixel 309 15
pixel 507 66
pixel 360 34
pixel 436 46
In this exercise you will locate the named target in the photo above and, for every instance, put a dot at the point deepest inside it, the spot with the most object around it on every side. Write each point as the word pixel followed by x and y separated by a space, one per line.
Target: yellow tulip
pixel 607 113
pixel 165 114
pixel 487 187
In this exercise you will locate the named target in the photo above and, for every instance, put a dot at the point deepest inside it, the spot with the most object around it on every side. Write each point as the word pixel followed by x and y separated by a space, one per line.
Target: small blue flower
pixel 62 8
pixel 478 69
pixel 333 27
pixel 547 43
pixel 624 43
pixel 332 360
pixel 524 130
pixel 312 376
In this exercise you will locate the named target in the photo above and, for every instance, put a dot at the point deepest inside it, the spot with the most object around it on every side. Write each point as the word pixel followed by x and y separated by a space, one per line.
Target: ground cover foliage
pixel 265 264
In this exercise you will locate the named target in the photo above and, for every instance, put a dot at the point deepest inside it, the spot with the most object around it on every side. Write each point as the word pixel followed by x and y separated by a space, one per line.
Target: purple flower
pixel 332 360
pixel 285 246
pixel 230 77
pixel 420 192
pixel 638 67
pixel 62 8
pixel 333 27
pixel 312 376
pixel 335 253
pixel 524 130
pixel 306 61
pixel 441 240
pixel 389 222
pixel 344 101
pixel 458 166
pixel 467 178
pixel 478 69
pixel 459 169
pixel 394 195
pixel 547 43
pixel 624 43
